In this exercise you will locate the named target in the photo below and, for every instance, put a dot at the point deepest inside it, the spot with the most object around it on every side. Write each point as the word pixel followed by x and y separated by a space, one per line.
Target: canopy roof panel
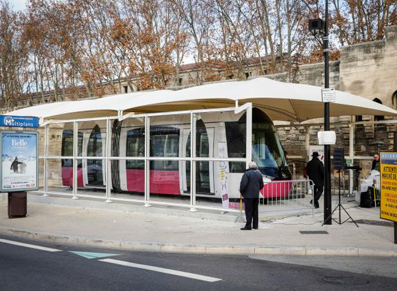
pixel 281 101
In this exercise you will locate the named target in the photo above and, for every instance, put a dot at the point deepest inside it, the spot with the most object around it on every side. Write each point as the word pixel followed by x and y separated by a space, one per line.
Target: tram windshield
pixel 267 150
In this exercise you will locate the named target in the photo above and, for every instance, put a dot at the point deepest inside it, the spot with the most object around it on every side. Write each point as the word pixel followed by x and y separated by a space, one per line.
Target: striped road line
pixel 162 270
pixel 15 243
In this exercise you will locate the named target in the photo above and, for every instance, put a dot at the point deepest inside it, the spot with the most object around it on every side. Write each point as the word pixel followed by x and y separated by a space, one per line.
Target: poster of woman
pixel 19 169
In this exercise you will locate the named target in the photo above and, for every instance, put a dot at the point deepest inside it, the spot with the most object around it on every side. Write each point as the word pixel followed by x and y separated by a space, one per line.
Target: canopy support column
pixel 107 161
pixel 249 135
pixel 75 154
pixel 351 155
pixel 307 139
pixel 193 162
pixel 46 134
pixel 147 162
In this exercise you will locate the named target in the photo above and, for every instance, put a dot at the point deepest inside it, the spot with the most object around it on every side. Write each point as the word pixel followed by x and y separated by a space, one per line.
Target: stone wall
pixel 370 69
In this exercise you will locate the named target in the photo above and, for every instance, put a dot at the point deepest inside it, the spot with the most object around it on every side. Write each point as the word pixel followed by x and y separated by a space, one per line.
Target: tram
pixel 220 134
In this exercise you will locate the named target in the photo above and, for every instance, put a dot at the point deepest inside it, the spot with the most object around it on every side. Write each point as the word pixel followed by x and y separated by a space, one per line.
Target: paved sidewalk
pixel 146 230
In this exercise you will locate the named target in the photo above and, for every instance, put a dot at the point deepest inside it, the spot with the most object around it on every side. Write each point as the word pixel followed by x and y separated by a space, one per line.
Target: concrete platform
pixel 169 229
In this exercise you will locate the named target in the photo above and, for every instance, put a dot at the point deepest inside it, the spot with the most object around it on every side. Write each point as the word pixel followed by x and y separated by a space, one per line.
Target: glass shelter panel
pixel 60 139
pixel 169 169
pixel 41 174
pixel 167 186
pixel 41 132
pixel 59 179
pixel 128 138
pixel 128 179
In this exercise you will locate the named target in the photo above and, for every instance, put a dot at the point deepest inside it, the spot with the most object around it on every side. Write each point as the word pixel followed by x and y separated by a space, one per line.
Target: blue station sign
pixel 19 121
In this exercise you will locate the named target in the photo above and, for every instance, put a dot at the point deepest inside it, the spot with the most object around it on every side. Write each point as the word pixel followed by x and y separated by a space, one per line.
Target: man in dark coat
pixel 315 171
pixel 250 185
pixel 376 163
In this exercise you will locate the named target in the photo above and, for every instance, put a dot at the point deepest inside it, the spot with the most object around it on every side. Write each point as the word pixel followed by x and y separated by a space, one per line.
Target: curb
pixel 200 249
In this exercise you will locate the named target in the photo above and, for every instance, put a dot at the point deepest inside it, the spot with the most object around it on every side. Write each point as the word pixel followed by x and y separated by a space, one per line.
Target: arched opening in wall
pixel 378 117
pixel 394 99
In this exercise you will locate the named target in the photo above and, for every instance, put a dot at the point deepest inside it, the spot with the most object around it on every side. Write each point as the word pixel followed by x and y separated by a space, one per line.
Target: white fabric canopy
pixel 281 101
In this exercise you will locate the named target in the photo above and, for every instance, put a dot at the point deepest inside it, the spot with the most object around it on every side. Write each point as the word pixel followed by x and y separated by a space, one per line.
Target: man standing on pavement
pixel 250 185
pixel 315 171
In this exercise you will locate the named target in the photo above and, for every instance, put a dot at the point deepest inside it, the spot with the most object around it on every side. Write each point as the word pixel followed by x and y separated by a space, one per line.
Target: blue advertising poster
pixel 19 168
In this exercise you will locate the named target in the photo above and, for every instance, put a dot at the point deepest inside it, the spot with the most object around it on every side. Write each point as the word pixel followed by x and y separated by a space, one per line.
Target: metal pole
pixel 193 162
pixel 351 155
pixel 327 148
pixel 75 154
pixel 249 135
pixel 395 223
pixel 147 162
pixel 46 134
pixel 108 145
pixel 395 232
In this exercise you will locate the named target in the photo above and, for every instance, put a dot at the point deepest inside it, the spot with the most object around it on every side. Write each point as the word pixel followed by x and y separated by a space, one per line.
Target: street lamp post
pixel 320 28
pixel 327 148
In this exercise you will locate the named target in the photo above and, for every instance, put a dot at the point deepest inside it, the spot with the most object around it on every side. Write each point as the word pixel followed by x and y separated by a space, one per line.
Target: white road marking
pixel 162 270
pixel 6 241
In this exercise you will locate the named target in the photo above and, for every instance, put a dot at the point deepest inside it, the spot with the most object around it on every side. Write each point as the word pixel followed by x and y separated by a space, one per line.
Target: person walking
pixel 315 171
pixel 250 185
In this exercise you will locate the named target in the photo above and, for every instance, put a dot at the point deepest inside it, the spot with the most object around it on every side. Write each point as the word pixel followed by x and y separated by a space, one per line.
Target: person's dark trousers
pixel 318 191
pixel 251 212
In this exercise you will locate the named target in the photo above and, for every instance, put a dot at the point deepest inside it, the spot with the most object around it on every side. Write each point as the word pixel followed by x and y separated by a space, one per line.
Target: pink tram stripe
pixel 67 177
pixel 161 182
pixel 277 189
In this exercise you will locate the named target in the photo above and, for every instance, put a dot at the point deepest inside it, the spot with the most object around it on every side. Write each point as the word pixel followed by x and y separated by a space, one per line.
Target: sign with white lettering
pixel 328 95
pixel 19 161
pixel 19 121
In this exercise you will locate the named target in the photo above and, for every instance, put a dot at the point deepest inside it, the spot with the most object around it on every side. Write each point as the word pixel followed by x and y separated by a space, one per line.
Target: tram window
pixel 236 145
pixel 67 147
pixel 267 151
pixel 266 146
pixel 164 142
pixel 166 145
pixel 135 148
pixel 94 148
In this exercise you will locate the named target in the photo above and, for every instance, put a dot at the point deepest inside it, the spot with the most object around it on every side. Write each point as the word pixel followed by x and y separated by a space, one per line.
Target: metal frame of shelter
pixel 280 101
pixel 147 158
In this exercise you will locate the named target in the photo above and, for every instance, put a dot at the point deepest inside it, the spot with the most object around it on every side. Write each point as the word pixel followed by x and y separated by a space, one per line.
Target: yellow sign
pixel 388 182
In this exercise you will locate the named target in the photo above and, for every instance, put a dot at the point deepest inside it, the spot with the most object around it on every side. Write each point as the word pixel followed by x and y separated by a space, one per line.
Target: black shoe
pixel 255 227
pixel 245 228
pixel 311 202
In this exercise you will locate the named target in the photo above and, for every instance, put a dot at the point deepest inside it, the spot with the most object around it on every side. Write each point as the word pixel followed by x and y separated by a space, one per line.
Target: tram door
pixel 94 170
pixel 204 169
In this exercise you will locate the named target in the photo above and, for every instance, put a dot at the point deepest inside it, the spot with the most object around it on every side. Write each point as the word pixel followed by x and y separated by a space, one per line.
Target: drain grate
pixel 374 222
pixel 313 232
pixel 345 280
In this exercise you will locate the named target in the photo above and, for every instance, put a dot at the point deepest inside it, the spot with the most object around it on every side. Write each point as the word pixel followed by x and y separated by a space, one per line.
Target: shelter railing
pixel 287 195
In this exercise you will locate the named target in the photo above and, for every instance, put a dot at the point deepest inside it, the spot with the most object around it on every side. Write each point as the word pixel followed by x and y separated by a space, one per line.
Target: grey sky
pixel 18 4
